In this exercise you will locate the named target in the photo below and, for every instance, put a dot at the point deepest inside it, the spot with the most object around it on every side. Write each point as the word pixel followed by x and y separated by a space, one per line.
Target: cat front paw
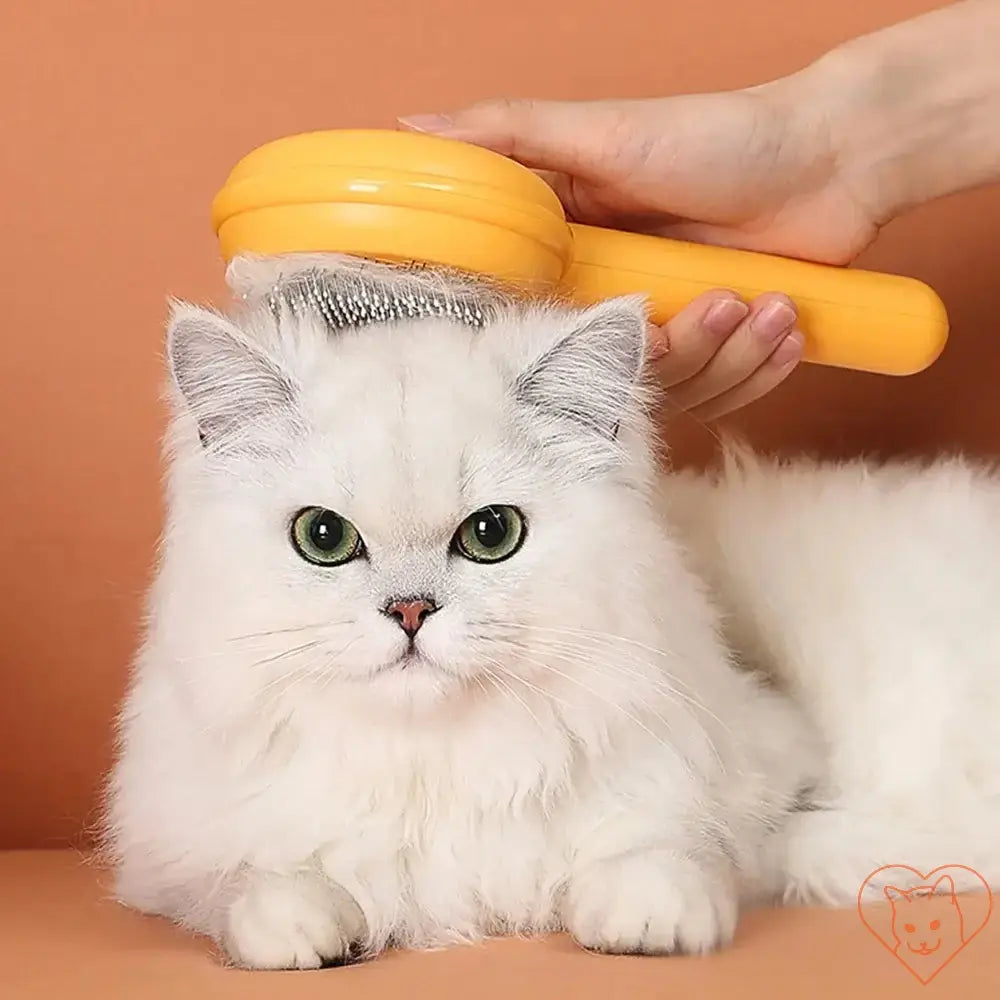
pixel 653 903
pixel 300 921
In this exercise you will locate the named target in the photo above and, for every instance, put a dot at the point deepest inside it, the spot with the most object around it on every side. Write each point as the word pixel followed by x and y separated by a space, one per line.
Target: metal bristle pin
pixel 365 306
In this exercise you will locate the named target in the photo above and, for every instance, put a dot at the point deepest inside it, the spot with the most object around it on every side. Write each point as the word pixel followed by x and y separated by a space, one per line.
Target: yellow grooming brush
pixel 402 197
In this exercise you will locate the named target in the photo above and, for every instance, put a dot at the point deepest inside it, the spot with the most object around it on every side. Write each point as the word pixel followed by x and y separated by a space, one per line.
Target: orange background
pixel 119 121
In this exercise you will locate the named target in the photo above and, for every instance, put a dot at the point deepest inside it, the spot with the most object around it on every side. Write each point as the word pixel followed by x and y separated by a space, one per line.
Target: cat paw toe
pixel 292 922
pixel 650 904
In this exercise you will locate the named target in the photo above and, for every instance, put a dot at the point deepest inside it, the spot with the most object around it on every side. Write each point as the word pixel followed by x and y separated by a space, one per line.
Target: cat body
pixel 867 592
pixel 436 739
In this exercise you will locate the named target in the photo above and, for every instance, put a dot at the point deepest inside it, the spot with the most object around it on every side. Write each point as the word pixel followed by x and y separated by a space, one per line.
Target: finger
pixel 573 137
pixel 771 318
pixel 683 346
pixel 769 376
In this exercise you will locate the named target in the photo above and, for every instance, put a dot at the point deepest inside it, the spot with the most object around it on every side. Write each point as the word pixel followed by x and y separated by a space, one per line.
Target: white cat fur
pixel 869 593
pixel 583 751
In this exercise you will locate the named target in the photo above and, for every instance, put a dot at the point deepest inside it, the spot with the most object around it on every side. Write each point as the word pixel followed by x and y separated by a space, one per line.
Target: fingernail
pixel 789 350
pixel 658 345
pixel 774 319
pixel 723 316
pixel 426 123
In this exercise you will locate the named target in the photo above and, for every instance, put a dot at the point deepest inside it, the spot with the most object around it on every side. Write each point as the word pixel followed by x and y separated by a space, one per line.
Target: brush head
pixel 395 196
pixel 348 292
pixel 312 292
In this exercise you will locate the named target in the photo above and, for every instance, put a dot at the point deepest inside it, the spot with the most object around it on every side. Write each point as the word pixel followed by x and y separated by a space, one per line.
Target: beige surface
pixel 60 938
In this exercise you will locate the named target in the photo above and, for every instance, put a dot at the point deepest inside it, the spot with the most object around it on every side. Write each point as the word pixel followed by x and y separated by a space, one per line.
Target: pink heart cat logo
pixel 924 919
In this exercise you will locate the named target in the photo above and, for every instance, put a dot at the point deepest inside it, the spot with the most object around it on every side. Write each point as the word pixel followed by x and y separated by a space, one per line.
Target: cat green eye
pixel 324 538
pixel 490 535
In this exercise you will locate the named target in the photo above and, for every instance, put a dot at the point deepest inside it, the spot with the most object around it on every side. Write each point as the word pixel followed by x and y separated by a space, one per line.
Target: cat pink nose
pixel 410 612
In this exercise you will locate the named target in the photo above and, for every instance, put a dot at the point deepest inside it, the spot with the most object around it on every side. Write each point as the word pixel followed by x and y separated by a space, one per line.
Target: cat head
pixel 401 505
pixel 926 919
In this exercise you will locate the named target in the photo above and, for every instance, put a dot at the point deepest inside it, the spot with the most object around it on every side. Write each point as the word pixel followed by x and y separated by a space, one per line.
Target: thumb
pixel 583 138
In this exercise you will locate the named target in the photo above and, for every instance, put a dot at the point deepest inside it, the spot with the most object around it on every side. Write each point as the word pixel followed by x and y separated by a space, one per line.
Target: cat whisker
pixel 285 653
pixel 513 694
pixel 278 686
pixel 331 676
pixel 683 411
pixel 303 672
pixel 610 670
pixel 267 633
pixel 262 648
pixel 664 686
pixel 677 685
pixel 492 678
pixel 479 681
pixel 601 697
pixel 595 635
pixel 540 691
pixel 661 683
pixel 579 660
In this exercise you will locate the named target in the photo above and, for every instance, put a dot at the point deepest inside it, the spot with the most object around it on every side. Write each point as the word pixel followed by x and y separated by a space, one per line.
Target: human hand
pixel 695 168
pixel 754 169
pixel 720 353
pixel 809 166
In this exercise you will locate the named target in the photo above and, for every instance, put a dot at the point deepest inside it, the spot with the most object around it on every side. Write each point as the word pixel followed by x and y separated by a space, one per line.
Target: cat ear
pixel 945 885
pixel 893 894
pixel 223 378
pixel 590 374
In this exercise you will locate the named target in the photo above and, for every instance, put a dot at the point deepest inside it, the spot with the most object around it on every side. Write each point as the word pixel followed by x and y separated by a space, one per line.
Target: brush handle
pixel 850 318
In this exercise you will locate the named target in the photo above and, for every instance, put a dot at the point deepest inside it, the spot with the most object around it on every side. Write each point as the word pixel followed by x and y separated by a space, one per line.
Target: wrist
pixel 910 113
pixel 869 145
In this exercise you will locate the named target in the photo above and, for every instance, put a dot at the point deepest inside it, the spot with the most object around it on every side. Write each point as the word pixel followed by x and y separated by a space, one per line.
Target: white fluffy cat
pixel 435 652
